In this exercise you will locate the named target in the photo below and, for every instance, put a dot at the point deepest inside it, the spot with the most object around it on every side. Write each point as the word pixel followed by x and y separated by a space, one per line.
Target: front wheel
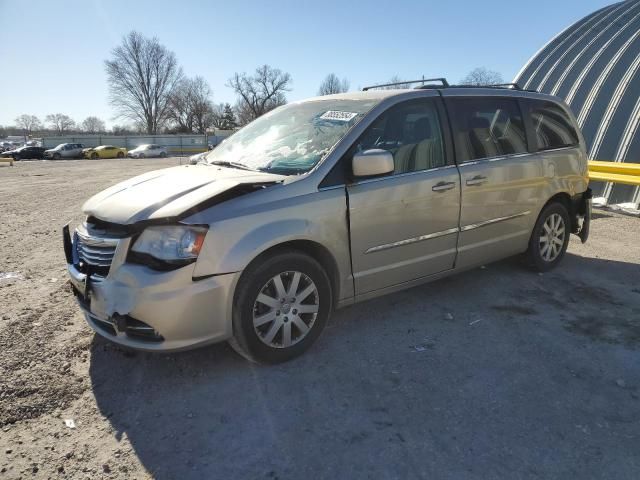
pixel 550 238
pixel 56 156
pixel 94 156
pixel 281 306
pixel 120 155
pixel 163 154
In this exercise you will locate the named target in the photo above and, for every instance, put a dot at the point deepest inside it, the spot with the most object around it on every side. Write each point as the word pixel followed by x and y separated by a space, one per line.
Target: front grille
pixel 95 254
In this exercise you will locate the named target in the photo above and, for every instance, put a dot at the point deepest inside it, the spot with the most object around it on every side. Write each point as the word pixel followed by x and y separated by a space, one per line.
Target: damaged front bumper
pixel 144 309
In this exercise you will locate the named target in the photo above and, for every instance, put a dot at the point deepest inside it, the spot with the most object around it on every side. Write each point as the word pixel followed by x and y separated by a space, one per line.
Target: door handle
pixel 443 186
pixel 477 180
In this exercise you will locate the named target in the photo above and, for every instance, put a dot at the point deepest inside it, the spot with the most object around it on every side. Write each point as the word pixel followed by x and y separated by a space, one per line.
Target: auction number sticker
pixel 338 116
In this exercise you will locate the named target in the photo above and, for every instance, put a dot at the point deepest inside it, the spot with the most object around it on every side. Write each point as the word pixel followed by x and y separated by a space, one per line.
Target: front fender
pixel 233 242
pixel 242 250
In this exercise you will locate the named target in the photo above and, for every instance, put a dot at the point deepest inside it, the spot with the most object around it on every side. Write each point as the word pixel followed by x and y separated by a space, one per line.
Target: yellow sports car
pixel 105 151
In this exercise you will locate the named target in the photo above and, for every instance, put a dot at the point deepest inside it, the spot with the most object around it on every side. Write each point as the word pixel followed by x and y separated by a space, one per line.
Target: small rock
pixel 69 423
pixel 189 415
pixel 621 383
pixel 8 450
pixel 60 469
pixel 34 469
pixel 449 316
pixel 106 468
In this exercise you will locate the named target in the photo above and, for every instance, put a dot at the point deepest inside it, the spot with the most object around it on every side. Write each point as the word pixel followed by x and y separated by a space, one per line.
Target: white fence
pixel 176 144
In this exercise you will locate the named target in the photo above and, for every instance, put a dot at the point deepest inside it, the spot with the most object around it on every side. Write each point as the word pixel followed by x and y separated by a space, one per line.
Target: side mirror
pixel 372 162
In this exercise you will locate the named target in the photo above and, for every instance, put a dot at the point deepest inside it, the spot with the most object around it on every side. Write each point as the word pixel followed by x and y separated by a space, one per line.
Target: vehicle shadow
pixel 471 376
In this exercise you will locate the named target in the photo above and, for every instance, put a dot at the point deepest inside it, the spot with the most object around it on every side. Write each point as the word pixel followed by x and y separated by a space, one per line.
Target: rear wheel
pixel 94 155
pixel 550 238
pixel 163 154
pixel 141 155
pixel 280 307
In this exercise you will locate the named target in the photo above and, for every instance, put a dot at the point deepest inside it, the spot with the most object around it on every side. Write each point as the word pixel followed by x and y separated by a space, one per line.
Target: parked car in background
pixel 148 150
pixel 4 146
pixel 24 152
pixel 322 203
pixel 65 150
pixel 105 151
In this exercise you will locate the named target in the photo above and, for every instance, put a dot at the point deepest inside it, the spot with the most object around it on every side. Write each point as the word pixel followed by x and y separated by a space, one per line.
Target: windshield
pixel 291 139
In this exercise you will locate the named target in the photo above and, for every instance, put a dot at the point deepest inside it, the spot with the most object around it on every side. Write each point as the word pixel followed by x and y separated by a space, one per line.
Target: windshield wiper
pixel 224 163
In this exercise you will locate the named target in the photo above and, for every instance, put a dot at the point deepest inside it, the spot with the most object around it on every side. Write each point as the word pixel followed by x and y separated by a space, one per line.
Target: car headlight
pixel 171 243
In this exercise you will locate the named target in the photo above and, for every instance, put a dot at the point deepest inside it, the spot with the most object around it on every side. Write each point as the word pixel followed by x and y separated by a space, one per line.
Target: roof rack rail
pixel 509 86
pixel 444 82
pixel 514 86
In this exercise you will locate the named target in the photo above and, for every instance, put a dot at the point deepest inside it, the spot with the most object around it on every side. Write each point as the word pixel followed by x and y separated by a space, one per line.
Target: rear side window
pixel 552 126
pixel 487 127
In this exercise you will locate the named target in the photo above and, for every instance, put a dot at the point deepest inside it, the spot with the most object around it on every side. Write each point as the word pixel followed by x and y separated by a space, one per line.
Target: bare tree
pixel 217 115
pixel 482 76
pixel 259 93
pixel 60 123
pixel 142 75
pixel 122 130
pixel 28 123
pixel 93 125
pixel 332 84
pixel 190 106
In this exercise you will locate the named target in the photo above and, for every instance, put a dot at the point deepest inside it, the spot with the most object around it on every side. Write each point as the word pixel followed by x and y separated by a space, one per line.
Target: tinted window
pixel 411 132
pixel 552 126
pixel 487 127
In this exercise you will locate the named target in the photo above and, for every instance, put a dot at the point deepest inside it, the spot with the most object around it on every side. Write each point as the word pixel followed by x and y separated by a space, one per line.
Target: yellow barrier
pixel 617 172
pixel 7 159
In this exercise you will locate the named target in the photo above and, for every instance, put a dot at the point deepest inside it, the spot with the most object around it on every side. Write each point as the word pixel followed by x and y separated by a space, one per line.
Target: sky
pixel 52 52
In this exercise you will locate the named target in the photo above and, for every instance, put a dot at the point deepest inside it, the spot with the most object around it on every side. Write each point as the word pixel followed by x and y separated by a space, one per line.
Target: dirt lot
pixel 495 373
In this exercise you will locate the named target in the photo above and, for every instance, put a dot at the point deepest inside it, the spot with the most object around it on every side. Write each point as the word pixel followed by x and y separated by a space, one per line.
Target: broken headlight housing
pixel 174 244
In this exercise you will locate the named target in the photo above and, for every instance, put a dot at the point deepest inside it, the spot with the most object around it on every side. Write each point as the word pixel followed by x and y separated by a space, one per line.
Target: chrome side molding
pixel 409 241
pixel 493 220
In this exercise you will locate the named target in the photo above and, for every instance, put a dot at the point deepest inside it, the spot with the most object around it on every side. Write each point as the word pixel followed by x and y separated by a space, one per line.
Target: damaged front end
pixel 135 282
pixel 139 305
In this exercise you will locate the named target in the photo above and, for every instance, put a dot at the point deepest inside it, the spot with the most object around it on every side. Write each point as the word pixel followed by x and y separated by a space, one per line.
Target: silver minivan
pixel 325 202
pixel 65 150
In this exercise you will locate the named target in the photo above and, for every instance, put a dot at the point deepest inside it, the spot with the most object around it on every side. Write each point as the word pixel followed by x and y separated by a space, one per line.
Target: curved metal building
pixel 594 65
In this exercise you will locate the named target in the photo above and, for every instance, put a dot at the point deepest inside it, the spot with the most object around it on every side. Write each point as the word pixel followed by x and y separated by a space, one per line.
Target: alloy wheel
pixel 286 309
pixel 552 237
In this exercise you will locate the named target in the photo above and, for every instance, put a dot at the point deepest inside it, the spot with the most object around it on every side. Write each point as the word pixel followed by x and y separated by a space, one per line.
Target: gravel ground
pixel 494 373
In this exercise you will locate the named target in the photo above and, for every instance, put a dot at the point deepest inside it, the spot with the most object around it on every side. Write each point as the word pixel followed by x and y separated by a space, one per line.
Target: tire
pixel 56 156
pixel 266 342
pixel 120 155
pixel 94 156
pixel 141 155
pixel 553 222
pixel 163 154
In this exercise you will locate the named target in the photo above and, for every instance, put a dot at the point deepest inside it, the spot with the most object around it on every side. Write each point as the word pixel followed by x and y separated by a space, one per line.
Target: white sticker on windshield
pixel 339 116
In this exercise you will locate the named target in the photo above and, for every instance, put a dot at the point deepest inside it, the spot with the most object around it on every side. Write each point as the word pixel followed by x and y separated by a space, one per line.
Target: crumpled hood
pixel 168 192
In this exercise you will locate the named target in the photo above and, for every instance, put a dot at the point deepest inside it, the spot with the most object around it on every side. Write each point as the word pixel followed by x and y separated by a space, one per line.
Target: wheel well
pixel 318 252
pixel 565 200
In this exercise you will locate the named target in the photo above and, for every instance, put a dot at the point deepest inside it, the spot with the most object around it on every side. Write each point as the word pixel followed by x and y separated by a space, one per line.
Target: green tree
pixel 228 118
